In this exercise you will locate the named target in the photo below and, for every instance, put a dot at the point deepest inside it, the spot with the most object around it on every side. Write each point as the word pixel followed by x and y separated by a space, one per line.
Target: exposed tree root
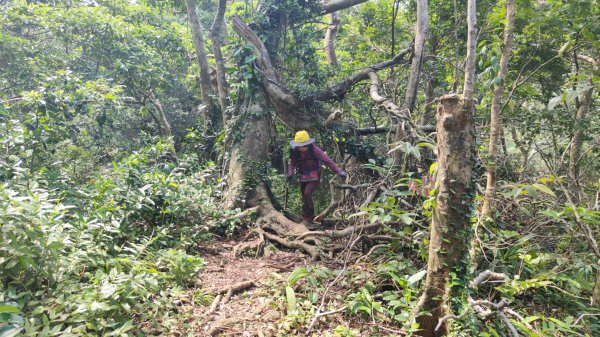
pixel 341 233
pixel 228 291
pixel 311 250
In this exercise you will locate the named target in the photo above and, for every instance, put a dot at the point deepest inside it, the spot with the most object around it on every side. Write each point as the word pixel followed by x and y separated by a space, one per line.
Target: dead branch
pixel 322 314
pixel 244 214
pixel 485 308
pixel 337 92
pixel 486 276
pixel 233 287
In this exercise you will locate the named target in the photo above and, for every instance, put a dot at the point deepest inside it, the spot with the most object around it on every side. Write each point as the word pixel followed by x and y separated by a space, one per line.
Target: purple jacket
pixel 309 167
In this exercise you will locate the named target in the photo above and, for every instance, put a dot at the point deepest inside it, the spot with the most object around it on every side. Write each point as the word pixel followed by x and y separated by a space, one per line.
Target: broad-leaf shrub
pixel 97 259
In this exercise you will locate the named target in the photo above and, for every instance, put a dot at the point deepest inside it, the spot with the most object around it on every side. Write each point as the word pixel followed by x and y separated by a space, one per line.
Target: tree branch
pixel 337 92
pixel 336 5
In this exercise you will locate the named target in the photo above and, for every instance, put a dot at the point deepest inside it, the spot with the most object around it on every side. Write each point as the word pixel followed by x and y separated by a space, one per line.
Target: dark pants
pixel 308 210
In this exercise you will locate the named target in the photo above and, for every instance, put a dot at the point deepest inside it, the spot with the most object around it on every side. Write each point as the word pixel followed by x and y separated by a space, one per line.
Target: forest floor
pixel 248 295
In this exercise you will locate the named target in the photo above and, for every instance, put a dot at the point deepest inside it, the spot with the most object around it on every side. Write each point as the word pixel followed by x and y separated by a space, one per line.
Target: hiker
pixel 305 160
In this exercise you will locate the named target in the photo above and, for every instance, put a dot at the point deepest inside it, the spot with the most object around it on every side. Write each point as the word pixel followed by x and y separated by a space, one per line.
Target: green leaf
pixel 9 331
pixel 296 275
pixel 416 277
pixel 564 47
pixel 554 101
pixel 588 35
pixel 9 309
pixel 291 299
pixel 544 189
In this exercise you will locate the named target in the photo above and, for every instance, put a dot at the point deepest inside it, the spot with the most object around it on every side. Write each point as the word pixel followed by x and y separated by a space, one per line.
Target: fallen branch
pixel 234 287
pixel 322 314
pixel 244 214
pixel 484 307
pixel 486 276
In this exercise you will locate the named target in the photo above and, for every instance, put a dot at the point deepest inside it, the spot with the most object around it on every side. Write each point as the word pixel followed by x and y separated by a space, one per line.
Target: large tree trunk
pixel 451 227
pixel 247 172
pixel 248 156
pixel 205 84
pixel 492 177
pixel 215 34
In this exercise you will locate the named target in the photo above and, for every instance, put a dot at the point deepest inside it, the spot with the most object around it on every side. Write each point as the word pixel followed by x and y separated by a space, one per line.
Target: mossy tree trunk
pixel 451 227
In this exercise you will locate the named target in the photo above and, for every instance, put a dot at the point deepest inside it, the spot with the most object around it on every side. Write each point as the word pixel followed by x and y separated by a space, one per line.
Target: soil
pixel 250 312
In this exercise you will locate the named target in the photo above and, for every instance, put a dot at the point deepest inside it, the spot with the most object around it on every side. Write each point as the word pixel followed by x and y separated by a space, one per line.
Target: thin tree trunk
pixel 332 28
pixel 215 34
pixel 450 230
pixel 524 150
pixel 163 123
pixel 455 81
pixel 471 48
pixel 577 141
pixel 421 32
pixel 596 291
pixel 495 126
pixel 428 112
pixel 205 84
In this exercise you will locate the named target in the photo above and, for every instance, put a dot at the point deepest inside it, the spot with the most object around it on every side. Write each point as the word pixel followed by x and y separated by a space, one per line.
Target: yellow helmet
pixel 301 139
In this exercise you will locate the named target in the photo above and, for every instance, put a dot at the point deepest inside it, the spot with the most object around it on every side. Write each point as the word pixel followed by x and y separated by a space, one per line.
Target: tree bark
pixel 337 5
pixel 471 48
pixel 428 115
pixel 577 140
pixel 596 291
pixel 216 31
pixel 248 156
pixel 421 31
pixel 451 227
pixel 163 123
pixel 495 125
pixel 334 21
pixel 205 84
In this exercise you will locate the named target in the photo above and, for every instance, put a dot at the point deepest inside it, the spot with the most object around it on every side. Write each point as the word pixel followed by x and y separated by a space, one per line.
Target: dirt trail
pixel 251 311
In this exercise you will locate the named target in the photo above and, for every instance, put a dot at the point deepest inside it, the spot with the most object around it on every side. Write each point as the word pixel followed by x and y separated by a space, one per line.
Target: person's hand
pixel 343 174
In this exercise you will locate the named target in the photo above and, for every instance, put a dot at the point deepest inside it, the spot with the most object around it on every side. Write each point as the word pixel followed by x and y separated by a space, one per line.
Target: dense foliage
pixel 103 214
